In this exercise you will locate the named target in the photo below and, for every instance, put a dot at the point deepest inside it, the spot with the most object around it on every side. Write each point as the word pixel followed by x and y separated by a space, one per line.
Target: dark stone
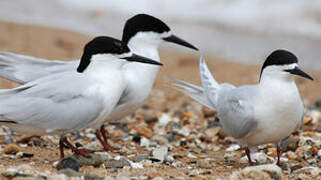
pixel 117 163
pixel 317 103
pixel 183 143
pixel 78 144
pixel 28 155
pixel 213 123
pixel 136 138
pixel 70 163
pixel 171 138
pixel 92 177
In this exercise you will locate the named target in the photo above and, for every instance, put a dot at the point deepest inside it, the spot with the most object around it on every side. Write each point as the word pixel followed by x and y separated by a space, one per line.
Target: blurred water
pixel 239 30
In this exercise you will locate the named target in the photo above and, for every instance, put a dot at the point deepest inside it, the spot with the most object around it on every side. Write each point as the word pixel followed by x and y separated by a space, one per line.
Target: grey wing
pixel 49 107
pixel 236 112
pixel 22 69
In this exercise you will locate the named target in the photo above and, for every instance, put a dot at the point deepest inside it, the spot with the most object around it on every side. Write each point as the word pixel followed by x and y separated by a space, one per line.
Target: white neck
pixel 104 63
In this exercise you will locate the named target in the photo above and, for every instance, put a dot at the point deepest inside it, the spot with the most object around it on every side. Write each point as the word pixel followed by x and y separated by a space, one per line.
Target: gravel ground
pixel 170 137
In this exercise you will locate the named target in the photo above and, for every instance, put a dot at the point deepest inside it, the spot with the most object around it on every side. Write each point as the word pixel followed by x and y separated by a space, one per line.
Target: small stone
pixel 169 160
pixel 164 120
pixel 95 159
pixel 9 172
pixel 58 177
pixel 291 144
pixel 69 172
pixel 122 176
pixel 144 142
pixel 204 164
pixel 10 149
pixel 24 139
pixel 68 163
pixel 230 157
pixel 150 119
pixel 193 173
pixel 270 171
pixel 141 157
pixel 160 153
pixel 158 178
pixel 144 131
pixel 117 163
pixel 296 167
pixel 307 120
pixel 136 138
pixel 259 157
pixel 91 177
pixel 314 150
pixel 291 155
pixel 234 147
pixel 208 112
pixel 160 139
pixel 214 123
pixel 22 155
pixel 190 155
pixel 211 132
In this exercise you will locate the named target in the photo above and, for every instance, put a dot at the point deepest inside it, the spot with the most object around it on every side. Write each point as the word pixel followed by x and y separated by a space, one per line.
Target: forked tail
pixel 206 94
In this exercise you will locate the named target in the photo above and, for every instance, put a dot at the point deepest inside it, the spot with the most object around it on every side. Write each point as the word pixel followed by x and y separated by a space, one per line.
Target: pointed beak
pixel 299 72
pixel 177 40
pixel 141 59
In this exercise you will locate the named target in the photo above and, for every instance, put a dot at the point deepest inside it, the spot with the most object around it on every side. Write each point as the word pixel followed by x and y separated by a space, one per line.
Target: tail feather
pixel 209 84
pixel 22 69
pixel 193 91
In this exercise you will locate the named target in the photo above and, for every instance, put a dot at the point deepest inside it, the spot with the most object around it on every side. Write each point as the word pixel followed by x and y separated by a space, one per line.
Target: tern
pixel 256 114
pixel 142 33
pixel 71 100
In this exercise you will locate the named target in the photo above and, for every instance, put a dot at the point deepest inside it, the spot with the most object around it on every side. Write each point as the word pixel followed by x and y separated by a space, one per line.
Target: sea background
pixel 235 30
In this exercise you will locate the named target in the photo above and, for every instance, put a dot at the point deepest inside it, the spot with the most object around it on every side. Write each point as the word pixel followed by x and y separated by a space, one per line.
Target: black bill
pixel 299 72
pixel 177 40
pixel 142 59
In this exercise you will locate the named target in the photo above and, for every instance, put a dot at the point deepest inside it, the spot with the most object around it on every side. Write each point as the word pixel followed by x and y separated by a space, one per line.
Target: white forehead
pixel 280 67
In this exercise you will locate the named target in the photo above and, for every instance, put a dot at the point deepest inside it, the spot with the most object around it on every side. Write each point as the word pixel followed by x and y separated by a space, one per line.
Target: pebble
pixel 95 159
pixel 314 172
pixel 204 164
pixel 213 124
pixel 149 119
pixel 269 171
pixel 122 176
pixel 68 163
pixel 69 172
pixel 160 139
pixel 144 142
pixel 190 155
pixel 58 177
pixel 230 157
pixel 144 131
pixel 11 148
pixel 88 176
pixel 164 120
pixel 291 144
pixel 22 155
pixel 160 153
pixel 169 160
pixel 208 112
pixel 158 178
pixel 234 147
pixel 211 132
pixel 141 157
pixel 258 157
pixel 117 163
